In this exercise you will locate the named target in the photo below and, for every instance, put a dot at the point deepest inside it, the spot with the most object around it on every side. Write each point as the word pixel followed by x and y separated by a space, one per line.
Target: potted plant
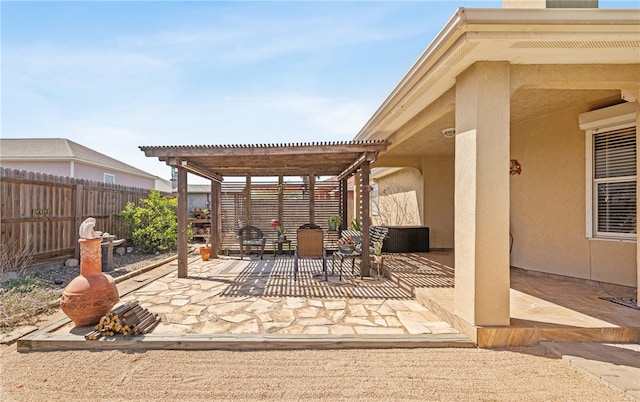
pixel 355 225
pixel 334 221
pixel 346 244
pixel 205 251
pixel 282 232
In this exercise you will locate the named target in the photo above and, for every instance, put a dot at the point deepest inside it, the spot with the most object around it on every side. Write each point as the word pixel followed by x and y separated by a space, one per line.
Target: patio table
pixel 376 260
pixel 277 246
pixel 342 256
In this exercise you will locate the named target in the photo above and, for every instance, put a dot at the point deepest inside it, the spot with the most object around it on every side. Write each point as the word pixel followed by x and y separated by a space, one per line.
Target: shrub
pixel 15 257
pixel 23 299
pixel 153 224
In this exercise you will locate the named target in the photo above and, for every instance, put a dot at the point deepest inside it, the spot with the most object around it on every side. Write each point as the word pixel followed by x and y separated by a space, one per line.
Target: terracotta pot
pixel 205 253
pixel 92 294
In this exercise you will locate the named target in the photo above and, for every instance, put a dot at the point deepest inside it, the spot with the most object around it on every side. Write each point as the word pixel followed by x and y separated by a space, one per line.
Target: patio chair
pixel 251 236
pixel 377 234
pixel 310 244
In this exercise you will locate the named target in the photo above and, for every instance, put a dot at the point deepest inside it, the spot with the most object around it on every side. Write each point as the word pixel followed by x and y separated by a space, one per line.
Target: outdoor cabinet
pixel 406 239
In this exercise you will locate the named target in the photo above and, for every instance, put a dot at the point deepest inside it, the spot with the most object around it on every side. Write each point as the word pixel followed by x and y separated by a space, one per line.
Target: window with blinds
pixel 614 182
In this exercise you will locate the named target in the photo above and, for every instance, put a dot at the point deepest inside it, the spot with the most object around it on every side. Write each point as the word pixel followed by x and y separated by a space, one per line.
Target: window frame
pixel 113 177
pixel 609 123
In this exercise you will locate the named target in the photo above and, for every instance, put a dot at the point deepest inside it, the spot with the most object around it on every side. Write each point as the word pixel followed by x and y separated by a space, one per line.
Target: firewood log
pixel 151 326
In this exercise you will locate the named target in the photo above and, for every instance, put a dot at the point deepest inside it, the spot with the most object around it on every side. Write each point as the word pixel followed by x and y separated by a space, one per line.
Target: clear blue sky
pixel 115 75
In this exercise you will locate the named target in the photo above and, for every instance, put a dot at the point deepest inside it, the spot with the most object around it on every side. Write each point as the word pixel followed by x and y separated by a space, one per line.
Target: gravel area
pixel 60 276
pixel 519 374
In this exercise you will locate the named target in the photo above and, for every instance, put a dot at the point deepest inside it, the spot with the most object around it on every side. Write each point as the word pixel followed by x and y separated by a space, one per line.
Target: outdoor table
pixel 277 246
pixel 341 256
pixel 376 260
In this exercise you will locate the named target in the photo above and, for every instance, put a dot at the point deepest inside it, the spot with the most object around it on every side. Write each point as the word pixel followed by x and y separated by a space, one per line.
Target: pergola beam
pixel 263 150
pixel 217 161
pixel 195 169
pixel 367 156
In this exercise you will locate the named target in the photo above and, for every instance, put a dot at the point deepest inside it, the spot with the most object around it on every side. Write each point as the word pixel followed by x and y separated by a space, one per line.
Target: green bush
pixel 153 225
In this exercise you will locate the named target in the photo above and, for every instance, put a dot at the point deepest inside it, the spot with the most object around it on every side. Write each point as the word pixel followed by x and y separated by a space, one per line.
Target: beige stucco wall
pixel 439 175
pixel 400 198
pixel 481 294
pixel 548 205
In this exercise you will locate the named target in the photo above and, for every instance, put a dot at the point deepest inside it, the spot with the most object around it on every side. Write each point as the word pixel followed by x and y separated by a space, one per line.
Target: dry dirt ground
pixel 519 374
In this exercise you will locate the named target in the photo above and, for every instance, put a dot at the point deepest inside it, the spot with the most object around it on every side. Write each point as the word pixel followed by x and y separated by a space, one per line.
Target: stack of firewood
pixel 126 319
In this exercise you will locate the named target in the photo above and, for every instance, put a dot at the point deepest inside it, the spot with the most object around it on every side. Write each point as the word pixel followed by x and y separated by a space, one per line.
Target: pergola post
pixel 356 197
pixel 182 222
pixel 312 198
pixel 247 201
pixel 364 217
pixel 280 199
pixel 344 202
pixel 216 218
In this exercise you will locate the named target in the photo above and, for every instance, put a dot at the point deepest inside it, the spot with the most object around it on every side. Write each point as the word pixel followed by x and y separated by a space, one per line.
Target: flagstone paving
pixel 229 296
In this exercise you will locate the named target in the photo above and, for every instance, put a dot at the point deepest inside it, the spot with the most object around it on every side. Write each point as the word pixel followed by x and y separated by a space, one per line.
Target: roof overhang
pixel 320 159
pixel 519 36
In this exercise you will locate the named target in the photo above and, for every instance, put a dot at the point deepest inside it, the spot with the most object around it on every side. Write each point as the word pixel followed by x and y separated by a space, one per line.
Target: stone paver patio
pixel 231 296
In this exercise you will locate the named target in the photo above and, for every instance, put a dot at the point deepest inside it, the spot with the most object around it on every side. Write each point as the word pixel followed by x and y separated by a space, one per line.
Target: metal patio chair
pixel 251 236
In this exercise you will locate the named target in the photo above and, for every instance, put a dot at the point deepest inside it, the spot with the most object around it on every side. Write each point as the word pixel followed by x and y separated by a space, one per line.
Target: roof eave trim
pixel 499 20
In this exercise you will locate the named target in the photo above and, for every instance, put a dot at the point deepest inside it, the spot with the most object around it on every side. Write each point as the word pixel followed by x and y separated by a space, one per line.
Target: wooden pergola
pixel 213 162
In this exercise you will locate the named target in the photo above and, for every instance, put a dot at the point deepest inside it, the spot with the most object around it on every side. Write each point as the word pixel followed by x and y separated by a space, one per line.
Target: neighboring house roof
pixel 196 188
pixel 60 149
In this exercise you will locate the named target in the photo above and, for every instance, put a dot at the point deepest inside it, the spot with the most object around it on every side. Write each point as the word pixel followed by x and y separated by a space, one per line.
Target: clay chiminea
pixel 92 294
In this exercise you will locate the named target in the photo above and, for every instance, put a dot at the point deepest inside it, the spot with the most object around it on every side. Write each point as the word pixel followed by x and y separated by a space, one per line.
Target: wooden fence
pixel 41 213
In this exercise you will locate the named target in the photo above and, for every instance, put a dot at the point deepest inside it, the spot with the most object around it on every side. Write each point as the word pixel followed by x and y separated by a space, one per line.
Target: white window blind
pixel 614 181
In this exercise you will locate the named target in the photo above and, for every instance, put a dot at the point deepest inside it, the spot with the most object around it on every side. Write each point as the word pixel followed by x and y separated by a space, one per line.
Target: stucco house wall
pixel 429 189
pixel 56 168
pixel 400 198
pixel 97 173
pixel 439 173
pixel 548 205
pixel 80 170
pixel 547 200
